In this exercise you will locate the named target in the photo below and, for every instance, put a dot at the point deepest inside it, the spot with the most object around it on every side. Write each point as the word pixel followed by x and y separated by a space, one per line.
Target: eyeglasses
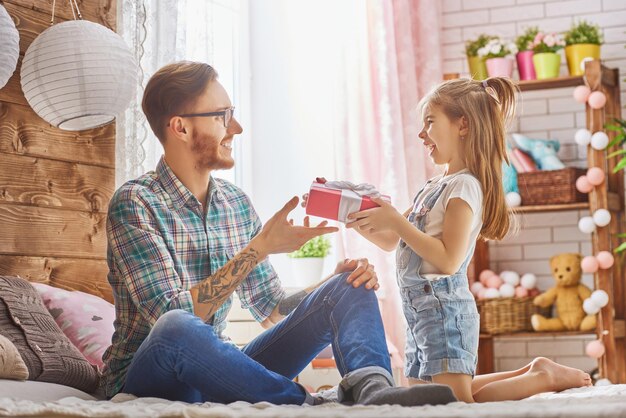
pixel 226 114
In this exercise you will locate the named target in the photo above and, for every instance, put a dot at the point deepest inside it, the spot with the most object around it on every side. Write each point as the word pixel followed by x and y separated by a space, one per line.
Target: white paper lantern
pixel 590 307
pixel 583 137
pixel 586 225
pixel 602 217
pixel 599 141
pixel 9 46
pixel 600 298
pixel 78 75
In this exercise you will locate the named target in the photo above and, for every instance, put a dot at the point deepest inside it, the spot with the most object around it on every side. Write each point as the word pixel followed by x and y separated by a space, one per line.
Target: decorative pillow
pixel 48 353
pixel 11 364
pixel 87 320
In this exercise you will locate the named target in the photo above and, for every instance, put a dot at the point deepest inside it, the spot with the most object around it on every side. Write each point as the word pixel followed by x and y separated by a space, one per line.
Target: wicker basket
pixel 503 315
pixel 550 187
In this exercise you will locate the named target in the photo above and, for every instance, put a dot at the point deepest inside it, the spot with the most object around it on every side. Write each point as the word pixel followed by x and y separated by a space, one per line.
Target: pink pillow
pixel 86 320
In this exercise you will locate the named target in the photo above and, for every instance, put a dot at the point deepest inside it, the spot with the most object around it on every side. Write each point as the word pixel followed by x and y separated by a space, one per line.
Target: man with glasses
pixel 181 242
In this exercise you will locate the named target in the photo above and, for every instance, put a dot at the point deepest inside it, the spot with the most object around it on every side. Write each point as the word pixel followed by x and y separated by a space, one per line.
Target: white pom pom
pixel 528 281
pixel 492 293
pixel 586 224
pixel 476 287
pixel 590 307
pixel 583 137
pixel 513 199
pixel 602 217
pixel 600 298
pixel 603 382
pixel 507 290
pixel 510 277
pixel 599 141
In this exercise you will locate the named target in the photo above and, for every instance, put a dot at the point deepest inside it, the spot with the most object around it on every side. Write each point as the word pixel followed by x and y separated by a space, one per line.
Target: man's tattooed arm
pixel 210 294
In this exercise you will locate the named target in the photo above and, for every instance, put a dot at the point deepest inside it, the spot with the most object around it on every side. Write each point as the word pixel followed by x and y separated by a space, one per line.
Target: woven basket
pixel 550 187
pixel 504 315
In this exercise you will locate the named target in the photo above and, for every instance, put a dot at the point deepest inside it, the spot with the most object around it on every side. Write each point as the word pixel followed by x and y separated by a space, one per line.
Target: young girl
pixel 464 130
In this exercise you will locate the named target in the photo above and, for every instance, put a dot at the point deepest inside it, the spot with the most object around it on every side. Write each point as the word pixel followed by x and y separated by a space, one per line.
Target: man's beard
pixel 207 153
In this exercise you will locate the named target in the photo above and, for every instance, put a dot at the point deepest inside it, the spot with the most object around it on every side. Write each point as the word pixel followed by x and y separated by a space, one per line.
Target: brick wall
pixel 542 114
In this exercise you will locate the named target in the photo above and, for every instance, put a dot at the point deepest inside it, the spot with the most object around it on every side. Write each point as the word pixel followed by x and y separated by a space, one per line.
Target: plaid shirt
pixel 160 245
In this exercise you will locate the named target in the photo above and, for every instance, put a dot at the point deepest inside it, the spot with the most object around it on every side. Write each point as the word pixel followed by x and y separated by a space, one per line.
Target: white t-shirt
pixel 461 185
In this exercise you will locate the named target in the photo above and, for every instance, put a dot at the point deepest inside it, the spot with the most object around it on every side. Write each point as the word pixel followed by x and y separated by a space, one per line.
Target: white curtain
pixel 164 31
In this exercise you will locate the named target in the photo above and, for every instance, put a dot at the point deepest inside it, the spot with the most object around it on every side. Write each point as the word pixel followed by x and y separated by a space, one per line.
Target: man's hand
pixel 280 235
pixel 362 273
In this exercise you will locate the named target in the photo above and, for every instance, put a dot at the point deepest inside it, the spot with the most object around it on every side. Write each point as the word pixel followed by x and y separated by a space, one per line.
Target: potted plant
pixel 582 42
pixel 498 55
pixel 477 67
pixel 524 56
pixel 546 58
pixel 308 261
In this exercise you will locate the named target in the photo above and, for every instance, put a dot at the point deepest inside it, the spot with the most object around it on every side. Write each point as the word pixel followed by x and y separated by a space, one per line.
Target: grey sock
pixel 375 389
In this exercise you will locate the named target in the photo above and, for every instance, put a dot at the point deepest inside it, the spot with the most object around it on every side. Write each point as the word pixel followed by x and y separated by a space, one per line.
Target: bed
pixel 596 401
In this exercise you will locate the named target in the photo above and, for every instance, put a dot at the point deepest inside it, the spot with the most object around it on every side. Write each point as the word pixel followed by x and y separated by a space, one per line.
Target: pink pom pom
pixel 595 349
pixel 533 292
pixel 595 176
pixel 583 185
pixel 597 100
pixel 521 292
pixel 589 264
pixel 484 275
pixel 581 93
pixel 494 282
pixel 605 259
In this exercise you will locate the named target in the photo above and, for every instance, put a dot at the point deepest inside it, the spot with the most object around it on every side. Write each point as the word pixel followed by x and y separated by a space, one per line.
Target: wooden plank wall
pixel 54 185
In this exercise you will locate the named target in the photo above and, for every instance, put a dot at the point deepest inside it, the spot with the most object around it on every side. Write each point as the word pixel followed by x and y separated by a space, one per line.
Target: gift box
pixel 336 200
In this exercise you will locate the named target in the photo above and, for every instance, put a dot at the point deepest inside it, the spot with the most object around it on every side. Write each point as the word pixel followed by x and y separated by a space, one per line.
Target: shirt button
pixel 37 347
pixel 17 320
pixel 427 288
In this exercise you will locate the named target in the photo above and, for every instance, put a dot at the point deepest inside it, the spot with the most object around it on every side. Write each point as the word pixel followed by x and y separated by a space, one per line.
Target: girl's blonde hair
pixel 488 106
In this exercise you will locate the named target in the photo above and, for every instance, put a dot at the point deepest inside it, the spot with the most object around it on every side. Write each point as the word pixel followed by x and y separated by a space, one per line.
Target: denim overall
pixel 442 319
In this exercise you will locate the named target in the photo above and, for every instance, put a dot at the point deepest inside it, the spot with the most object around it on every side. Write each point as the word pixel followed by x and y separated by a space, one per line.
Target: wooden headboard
pixel 54 185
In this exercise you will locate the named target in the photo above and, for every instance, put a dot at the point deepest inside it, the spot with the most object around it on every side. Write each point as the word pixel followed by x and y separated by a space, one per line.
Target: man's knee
pixel 177 325
pixel 339 284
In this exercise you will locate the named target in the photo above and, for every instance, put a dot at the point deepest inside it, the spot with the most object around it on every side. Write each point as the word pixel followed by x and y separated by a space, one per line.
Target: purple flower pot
pixel 525 65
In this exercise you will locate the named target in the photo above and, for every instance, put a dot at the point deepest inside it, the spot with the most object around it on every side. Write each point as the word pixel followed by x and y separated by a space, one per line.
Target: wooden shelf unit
pixel 610 195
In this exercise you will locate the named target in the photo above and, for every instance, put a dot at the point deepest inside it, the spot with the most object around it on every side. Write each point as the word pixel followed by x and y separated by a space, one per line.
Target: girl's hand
pixel 383 218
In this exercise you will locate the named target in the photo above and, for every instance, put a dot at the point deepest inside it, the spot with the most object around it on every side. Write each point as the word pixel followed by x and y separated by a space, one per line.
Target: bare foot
pixel 559 377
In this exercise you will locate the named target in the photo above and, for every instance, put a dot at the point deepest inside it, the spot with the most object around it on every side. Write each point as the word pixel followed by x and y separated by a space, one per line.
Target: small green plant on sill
pixel 583 32
pixel 315 247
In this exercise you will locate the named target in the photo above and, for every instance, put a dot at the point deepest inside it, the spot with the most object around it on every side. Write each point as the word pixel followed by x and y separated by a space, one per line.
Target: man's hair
pixel 488 106
pixel 172 90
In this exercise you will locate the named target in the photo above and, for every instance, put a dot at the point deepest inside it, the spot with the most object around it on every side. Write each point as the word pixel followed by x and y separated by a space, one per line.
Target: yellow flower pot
pixel 477 68
pixel 577 54
pixel 547 65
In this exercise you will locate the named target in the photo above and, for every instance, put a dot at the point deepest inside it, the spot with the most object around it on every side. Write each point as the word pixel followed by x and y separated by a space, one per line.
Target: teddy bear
pixel 543 151
pixel 568 295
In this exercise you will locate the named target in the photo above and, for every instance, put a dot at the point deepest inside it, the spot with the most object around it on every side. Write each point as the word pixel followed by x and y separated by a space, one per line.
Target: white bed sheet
pixel 599 401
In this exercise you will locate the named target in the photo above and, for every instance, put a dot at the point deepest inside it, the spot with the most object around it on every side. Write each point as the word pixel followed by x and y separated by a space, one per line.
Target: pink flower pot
pixel 525 65
pixel 500 67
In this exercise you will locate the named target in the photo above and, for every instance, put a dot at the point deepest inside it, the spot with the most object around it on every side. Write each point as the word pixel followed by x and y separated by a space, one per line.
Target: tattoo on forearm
pixel 290 303
pixel 218 287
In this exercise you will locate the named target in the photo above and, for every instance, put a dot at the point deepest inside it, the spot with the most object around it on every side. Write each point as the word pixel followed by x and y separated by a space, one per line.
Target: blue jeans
pixel 183 359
